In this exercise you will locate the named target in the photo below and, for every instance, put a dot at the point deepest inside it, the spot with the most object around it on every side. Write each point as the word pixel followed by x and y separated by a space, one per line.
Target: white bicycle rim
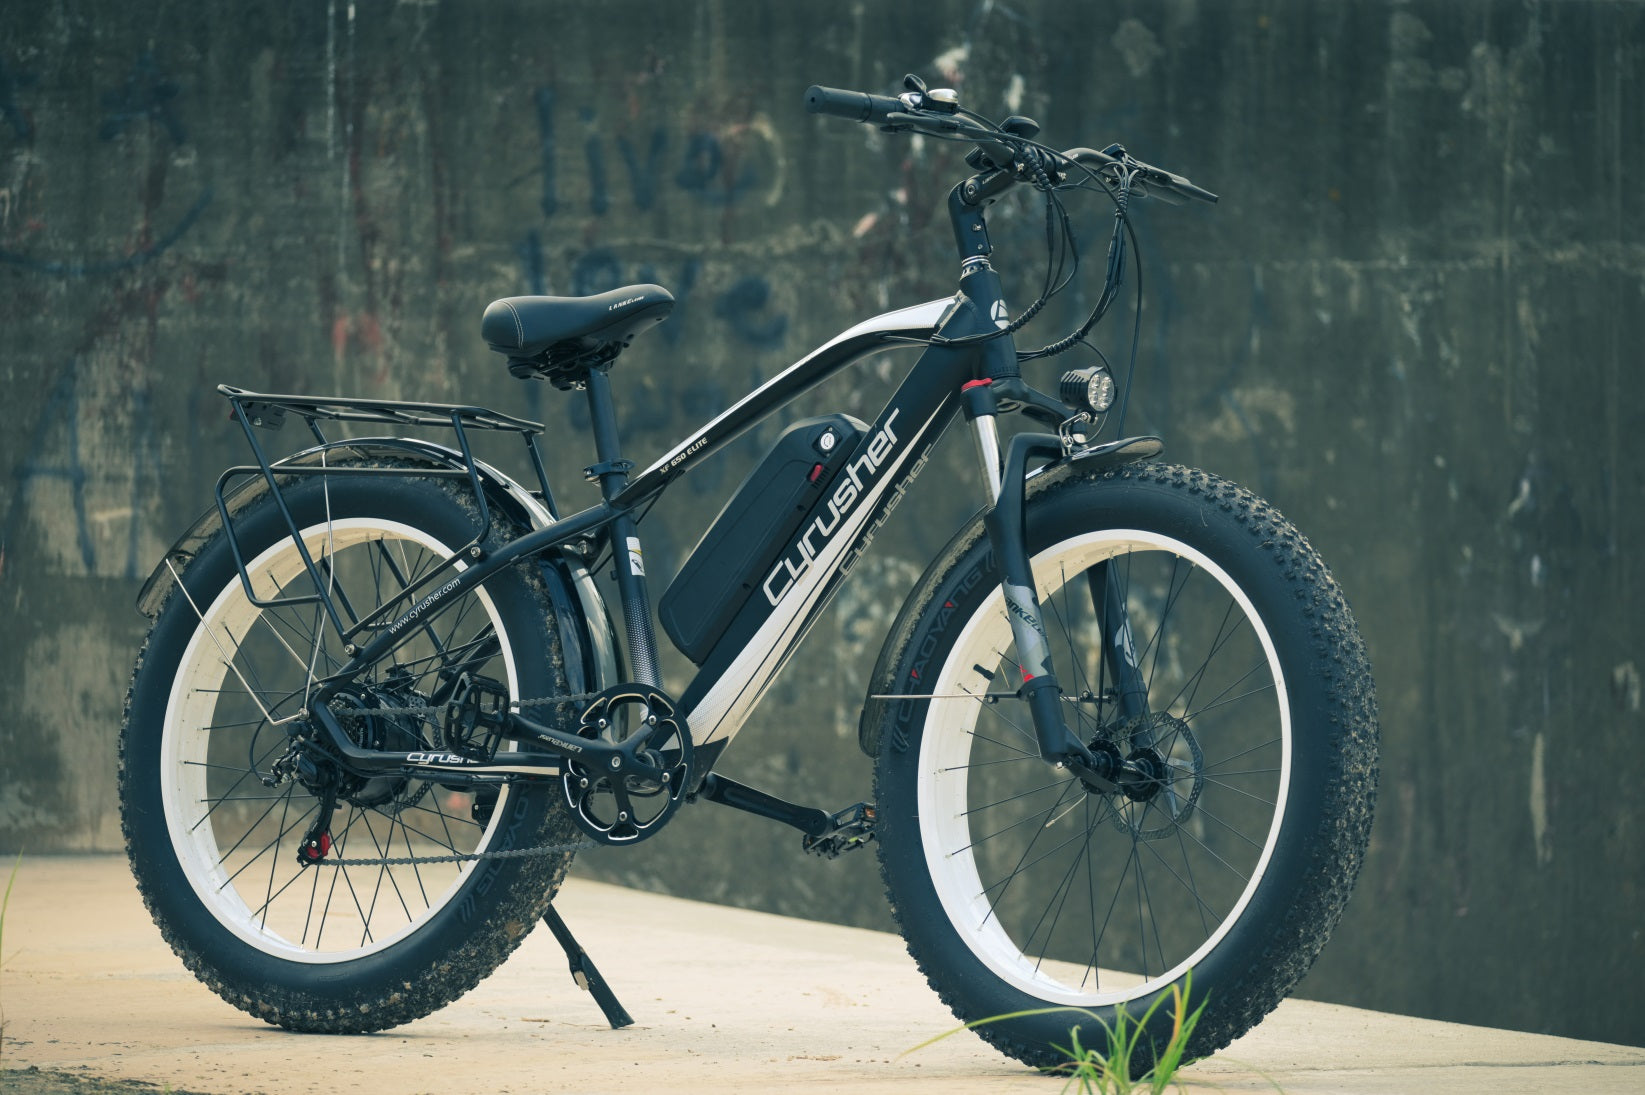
pixel 244 894
pixel 946 807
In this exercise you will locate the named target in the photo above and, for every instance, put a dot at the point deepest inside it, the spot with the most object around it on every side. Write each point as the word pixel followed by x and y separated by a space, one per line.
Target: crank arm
pixel 591 752
pixel 826 834
pixel 751 800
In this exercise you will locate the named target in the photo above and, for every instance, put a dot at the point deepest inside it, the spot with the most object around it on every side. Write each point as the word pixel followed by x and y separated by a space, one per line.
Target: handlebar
pixel 902 113
pixel 857 106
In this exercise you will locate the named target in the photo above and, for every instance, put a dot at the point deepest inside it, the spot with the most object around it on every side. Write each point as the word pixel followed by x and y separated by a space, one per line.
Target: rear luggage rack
pixel 260 410
pixel 269 412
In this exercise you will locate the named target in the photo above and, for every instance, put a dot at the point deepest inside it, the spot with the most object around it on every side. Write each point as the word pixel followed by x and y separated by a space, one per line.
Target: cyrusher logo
pixel 858 474
pixel 422 607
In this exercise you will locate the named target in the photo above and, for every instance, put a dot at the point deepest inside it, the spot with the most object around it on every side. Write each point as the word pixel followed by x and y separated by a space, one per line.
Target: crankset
pixel 627 790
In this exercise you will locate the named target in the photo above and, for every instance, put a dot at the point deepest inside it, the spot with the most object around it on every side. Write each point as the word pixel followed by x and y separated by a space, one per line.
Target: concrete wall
pixel 1413 322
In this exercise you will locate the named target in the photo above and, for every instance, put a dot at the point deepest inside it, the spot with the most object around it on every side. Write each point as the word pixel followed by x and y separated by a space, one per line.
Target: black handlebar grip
pixel 1192 191
pixel 859 106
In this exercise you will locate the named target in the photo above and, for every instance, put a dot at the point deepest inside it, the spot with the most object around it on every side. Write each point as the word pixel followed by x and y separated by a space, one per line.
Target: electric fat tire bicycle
pixel 1123 729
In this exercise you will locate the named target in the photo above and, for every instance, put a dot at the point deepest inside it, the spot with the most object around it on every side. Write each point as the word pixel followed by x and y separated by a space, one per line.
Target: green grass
pixel 1106 1069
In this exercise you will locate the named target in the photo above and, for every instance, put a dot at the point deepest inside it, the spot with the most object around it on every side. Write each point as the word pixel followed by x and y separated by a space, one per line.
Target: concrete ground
pixel 724 1000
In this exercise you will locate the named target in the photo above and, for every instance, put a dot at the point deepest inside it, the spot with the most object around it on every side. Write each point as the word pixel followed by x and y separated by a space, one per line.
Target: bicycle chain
pixel 465 857
pixel 428 712
pixel 458 857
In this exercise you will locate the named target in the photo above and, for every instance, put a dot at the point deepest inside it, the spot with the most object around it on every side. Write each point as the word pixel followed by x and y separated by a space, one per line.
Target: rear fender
pixel 586 633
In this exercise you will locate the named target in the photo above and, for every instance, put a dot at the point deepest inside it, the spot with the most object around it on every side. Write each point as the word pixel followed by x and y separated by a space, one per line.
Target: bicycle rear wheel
pixel 393 921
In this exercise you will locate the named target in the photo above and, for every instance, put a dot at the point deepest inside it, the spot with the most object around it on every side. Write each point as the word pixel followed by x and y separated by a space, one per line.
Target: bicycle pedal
pixel 850 828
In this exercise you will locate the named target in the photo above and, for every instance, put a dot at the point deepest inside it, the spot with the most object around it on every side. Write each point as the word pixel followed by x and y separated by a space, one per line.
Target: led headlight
pixel 1089 389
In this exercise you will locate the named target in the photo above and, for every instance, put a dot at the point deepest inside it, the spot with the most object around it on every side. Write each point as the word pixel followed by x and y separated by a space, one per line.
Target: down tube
pixel 892 452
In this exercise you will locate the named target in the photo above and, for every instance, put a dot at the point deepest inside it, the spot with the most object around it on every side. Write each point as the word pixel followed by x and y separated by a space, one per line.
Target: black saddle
pixel 560 337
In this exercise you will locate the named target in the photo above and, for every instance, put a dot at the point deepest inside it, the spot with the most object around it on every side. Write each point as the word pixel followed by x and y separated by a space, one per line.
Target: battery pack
pixel 752 530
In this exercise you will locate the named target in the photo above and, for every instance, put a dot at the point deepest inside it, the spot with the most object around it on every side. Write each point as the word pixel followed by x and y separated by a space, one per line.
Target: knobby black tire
pixel 1015 888
pixel 333 948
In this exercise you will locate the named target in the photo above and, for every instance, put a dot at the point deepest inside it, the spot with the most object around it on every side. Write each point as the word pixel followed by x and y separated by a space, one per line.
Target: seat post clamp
pixel 594 472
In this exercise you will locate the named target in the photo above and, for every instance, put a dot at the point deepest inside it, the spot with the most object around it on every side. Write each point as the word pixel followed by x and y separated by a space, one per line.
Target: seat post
pixel 627 557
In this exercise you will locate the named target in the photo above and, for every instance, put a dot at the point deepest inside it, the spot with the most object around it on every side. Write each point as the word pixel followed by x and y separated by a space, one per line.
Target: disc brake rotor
pixel 1177 757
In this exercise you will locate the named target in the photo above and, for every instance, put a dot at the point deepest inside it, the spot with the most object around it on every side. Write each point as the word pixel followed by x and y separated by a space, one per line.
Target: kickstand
pixel 584 973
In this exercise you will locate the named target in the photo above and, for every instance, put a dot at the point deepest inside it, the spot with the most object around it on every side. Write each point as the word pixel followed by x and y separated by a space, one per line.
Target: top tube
pixel 866 339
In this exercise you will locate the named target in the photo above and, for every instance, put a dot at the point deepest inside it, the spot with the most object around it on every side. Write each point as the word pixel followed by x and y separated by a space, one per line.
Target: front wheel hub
pixel 1158 783
pixel 1145 776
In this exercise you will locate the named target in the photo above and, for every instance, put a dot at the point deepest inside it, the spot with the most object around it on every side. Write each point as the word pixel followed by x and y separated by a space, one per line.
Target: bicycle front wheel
pixel 394 919
pixel 1016 885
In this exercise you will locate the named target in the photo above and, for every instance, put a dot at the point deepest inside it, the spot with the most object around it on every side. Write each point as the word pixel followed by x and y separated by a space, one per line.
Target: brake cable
pixel 1033 156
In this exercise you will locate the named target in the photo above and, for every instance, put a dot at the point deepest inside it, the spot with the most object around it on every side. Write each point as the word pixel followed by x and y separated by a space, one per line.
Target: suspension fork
pixel 1007 533
pixel 1119 651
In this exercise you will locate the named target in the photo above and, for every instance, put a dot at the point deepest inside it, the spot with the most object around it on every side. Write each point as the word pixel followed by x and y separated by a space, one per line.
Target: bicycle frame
pixel 751 653
pixel 953 371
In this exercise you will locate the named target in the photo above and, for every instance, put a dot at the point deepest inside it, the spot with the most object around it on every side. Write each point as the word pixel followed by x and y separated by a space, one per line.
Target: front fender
pixel 1094 458
pixel 584 624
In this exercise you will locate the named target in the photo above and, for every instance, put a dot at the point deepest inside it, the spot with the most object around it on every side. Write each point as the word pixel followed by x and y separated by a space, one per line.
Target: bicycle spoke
pixel 1156 641
pixel 1133 884
pixel 1192 683
pixel 1020 821
pixel 1061 893
pixel 1240 791
pixel 1255 691
pixel 223 859
pixel 1113 903
pixel 1212 852
pixel 1185 884
pixel 1013 798
pixel 1023 865
pixel 1020 753
pixel 1243 753
pixel 1193 887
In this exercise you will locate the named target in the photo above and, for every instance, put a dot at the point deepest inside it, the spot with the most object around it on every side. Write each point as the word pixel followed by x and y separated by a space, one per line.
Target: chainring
pixel 631 796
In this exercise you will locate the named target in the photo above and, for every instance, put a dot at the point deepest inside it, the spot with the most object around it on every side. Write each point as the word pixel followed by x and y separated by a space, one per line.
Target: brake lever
pixel 1168 186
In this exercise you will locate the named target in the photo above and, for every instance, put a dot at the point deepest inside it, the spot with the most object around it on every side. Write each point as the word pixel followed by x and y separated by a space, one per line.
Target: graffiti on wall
pixel 87 465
